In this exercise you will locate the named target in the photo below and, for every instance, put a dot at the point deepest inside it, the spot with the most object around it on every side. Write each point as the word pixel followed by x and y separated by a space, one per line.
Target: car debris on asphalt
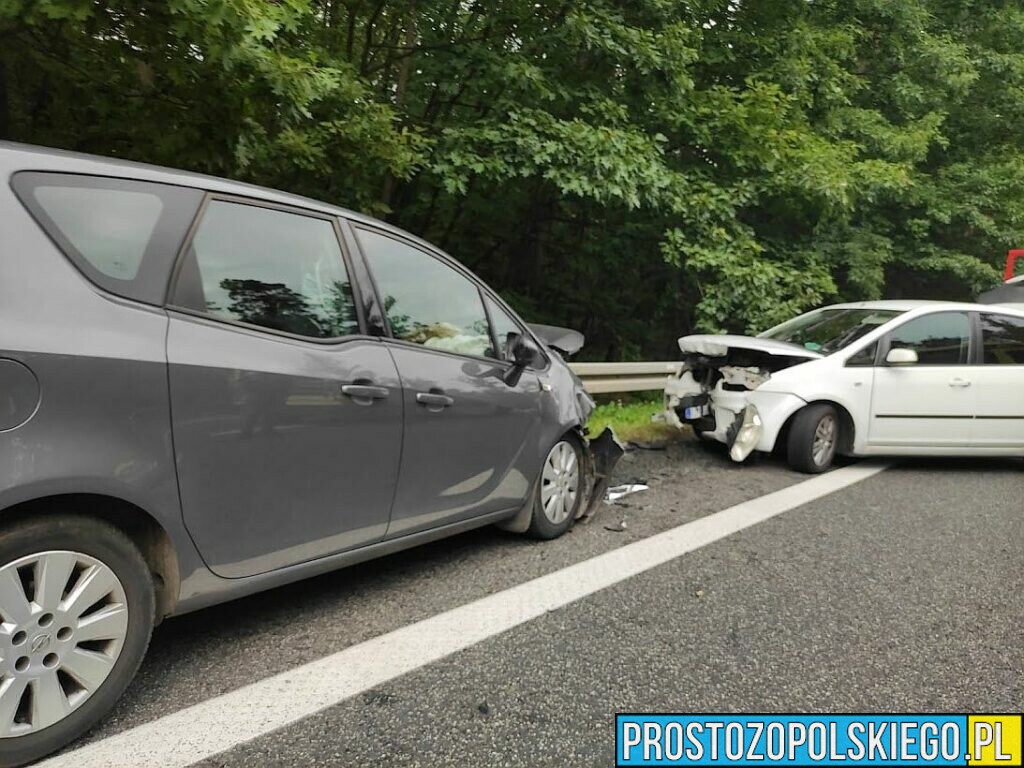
pixel 617 492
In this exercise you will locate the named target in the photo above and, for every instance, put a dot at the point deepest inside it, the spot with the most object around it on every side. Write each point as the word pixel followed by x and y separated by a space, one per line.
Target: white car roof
pixel 906 305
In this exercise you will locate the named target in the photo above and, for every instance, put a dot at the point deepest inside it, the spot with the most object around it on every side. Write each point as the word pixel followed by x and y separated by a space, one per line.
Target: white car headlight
pixel 747 435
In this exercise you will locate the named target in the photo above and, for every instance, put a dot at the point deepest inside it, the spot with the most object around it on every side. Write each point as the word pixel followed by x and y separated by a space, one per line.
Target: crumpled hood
pixel 718 345
pixel 565 340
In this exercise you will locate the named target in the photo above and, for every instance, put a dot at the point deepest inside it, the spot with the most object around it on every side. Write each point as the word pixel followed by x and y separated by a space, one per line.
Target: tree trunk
pixel 401 87
pixel 5 111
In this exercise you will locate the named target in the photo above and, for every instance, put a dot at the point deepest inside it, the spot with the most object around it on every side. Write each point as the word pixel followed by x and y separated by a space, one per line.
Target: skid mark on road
pixel 220 723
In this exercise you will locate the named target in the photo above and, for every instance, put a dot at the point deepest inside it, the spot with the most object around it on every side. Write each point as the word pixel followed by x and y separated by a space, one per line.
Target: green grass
pixel 631 420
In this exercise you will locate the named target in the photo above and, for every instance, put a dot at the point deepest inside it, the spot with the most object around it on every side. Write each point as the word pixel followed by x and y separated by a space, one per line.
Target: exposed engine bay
pixel 711 391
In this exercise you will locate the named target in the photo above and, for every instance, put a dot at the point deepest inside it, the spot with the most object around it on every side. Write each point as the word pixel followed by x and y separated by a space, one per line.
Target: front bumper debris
pixel 716 404
pixel 714 390
pixel 616 492
pixel 603 453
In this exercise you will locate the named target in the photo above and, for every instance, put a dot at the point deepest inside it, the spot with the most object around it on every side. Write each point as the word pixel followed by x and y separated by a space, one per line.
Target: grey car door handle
pixel 364 393
pixel 434 400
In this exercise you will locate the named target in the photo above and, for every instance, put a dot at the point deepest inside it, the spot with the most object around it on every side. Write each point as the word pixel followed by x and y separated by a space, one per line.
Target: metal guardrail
pixel 606 378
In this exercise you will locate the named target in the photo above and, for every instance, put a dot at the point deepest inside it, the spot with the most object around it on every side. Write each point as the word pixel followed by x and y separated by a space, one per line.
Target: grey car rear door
pixel 472 442
pixel 287 422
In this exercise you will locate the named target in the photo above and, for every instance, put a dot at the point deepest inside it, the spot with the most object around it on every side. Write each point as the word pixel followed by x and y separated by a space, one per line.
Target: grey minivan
pixel 209 389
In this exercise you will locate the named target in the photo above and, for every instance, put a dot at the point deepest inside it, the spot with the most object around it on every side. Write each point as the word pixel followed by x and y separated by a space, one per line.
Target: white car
pixel 872 378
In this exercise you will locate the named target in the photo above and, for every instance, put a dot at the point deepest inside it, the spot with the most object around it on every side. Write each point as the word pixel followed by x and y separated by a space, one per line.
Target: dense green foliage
pixel 636 169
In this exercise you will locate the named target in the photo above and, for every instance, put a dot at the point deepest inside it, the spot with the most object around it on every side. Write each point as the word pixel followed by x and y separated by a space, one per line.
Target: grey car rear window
pixel 121 234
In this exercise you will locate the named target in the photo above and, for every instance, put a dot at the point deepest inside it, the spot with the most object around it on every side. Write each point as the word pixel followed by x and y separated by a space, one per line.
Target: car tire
pixel 813 438
pixel 559 491
pixel 80 634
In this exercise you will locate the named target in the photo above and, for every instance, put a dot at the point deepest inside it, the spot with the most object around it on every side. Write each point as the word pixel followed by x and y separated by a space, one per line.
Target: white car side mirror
pixel 901 356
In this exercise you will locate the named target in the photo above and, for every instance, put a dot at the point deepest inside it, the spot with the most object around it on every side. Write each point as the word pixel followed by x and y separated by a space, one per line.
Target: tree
pixel 636 170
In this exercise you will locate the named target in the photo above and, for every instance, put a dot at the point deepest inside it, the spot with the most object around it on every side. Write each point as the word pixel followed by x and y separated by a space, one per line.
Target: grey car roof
pixel 25 157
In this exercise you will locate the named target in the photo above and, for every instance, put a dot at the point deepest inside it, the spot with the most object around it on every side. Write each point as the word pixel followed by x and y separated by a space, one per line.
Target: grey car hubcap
pixel 824 440
pixel 64 621
pixel 560 483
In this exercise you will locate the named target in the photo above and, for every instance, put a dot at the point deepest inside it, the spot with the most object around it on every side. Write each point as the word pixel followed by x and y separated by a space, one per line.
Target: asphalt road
pixel 904 592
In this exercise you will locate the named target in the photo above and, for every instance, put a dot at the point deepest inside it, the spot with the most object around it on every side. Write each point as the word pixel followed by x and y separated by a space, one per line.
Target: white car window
pixel 1002 339
pixel 863 357
pixel 942 338
pixel 830 329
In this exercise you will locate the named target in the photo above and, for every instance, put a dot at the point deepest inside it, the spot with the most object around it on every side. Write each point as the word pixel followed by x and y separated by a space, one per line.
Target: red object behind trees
pixel 1011 258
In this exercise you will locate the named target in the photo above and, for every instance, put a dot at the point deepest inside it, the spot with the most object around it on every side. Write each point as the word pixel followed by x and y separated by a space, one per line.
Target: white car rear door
pixel 999 418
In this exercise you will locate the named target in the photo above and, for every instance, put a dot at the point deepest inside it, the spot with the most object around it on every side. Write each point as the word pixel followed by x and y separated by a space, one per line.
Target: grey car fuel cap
pixel 19 394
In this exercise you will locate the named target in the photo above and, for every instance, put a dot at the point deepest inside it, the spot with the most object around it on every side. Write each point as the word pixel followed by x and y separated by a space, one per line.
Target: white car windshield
pixel 829 330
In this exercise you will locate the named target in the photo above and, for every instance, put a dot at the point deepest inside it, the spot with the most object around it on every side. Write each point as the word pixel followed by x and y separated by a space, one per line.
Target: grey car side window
pixel 274 269
pixel 121 234
pixel 426 301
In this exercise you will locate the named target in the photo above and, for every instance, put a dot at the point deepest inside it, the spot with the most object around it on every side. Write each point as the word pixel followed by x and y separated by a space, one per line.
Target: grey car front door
pixel 472 441
pixel 286 421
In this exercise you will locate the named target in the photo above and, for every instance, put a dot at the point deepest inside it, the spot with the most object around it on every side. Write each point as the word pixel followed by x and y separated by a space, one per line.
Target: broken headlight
pixel 748 433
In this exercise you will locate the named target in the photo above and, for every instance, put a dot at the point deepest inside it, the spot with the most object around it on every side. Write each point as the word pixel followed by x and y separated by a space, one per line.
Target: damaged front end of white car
pixel 716 390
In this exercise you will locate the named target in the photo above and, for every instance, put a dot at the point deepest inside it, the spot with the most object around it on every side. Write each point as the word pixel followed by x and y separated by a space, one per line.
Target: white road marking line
pixel 220 723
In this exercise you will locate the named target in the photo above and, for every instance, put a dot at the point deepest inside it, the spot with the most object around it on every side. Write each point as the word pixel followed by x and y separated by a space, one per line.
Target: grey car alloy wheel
pixel 560 483
pixel 65 620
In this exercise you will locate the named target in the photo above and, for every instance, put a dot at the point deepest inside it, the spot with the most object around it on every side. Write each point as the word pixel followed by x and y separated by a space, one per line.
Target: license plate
pixel 696 411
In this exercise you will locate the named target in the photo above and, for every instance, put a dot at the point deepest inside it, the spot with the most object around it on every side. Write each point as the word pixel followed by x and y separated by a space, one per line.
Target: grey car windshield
pixel 829 330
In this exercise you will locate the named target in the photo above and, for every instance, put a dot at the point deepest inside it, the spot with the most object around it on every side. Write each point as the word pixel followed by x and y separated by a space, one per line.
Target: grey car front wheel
pixel 559 491
pixel 76 602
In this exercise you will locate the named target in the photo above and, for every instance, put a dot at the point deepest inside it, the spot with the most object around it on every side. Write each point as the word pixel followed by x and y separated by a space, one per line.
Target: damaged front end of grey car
pixel 715 389
pixel 599 453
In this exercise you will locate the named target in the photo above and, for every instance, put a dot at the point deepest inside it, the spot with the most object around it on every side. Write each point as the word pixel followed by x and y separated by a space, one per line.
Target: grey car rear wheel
pixel 559 491
pixel 76 602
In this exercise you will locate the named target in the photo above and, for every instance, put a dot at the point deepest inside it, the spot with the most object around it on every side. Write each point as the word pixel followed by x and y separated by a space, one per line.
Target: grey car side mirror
pixel 901 356
pixel 523 354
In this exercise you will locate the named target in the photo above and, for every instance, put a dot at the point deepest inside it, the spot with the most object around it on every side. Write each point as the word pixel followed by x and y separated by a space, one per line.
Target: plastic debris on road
pixel 616 492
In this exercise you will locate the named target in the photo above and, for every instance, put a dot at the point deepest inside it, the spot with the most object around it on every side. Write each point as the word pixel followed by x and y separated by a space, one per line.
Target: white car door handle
pixel 958 382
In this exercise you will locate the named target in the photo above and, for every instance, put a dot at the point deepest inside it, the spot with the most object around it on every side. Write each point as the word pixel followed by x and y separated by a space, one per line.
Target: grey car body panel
pixel 102 420
pixel 102 424
pixel 275 465
pixel 467 458
pixel 19 394
pixel 203 588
